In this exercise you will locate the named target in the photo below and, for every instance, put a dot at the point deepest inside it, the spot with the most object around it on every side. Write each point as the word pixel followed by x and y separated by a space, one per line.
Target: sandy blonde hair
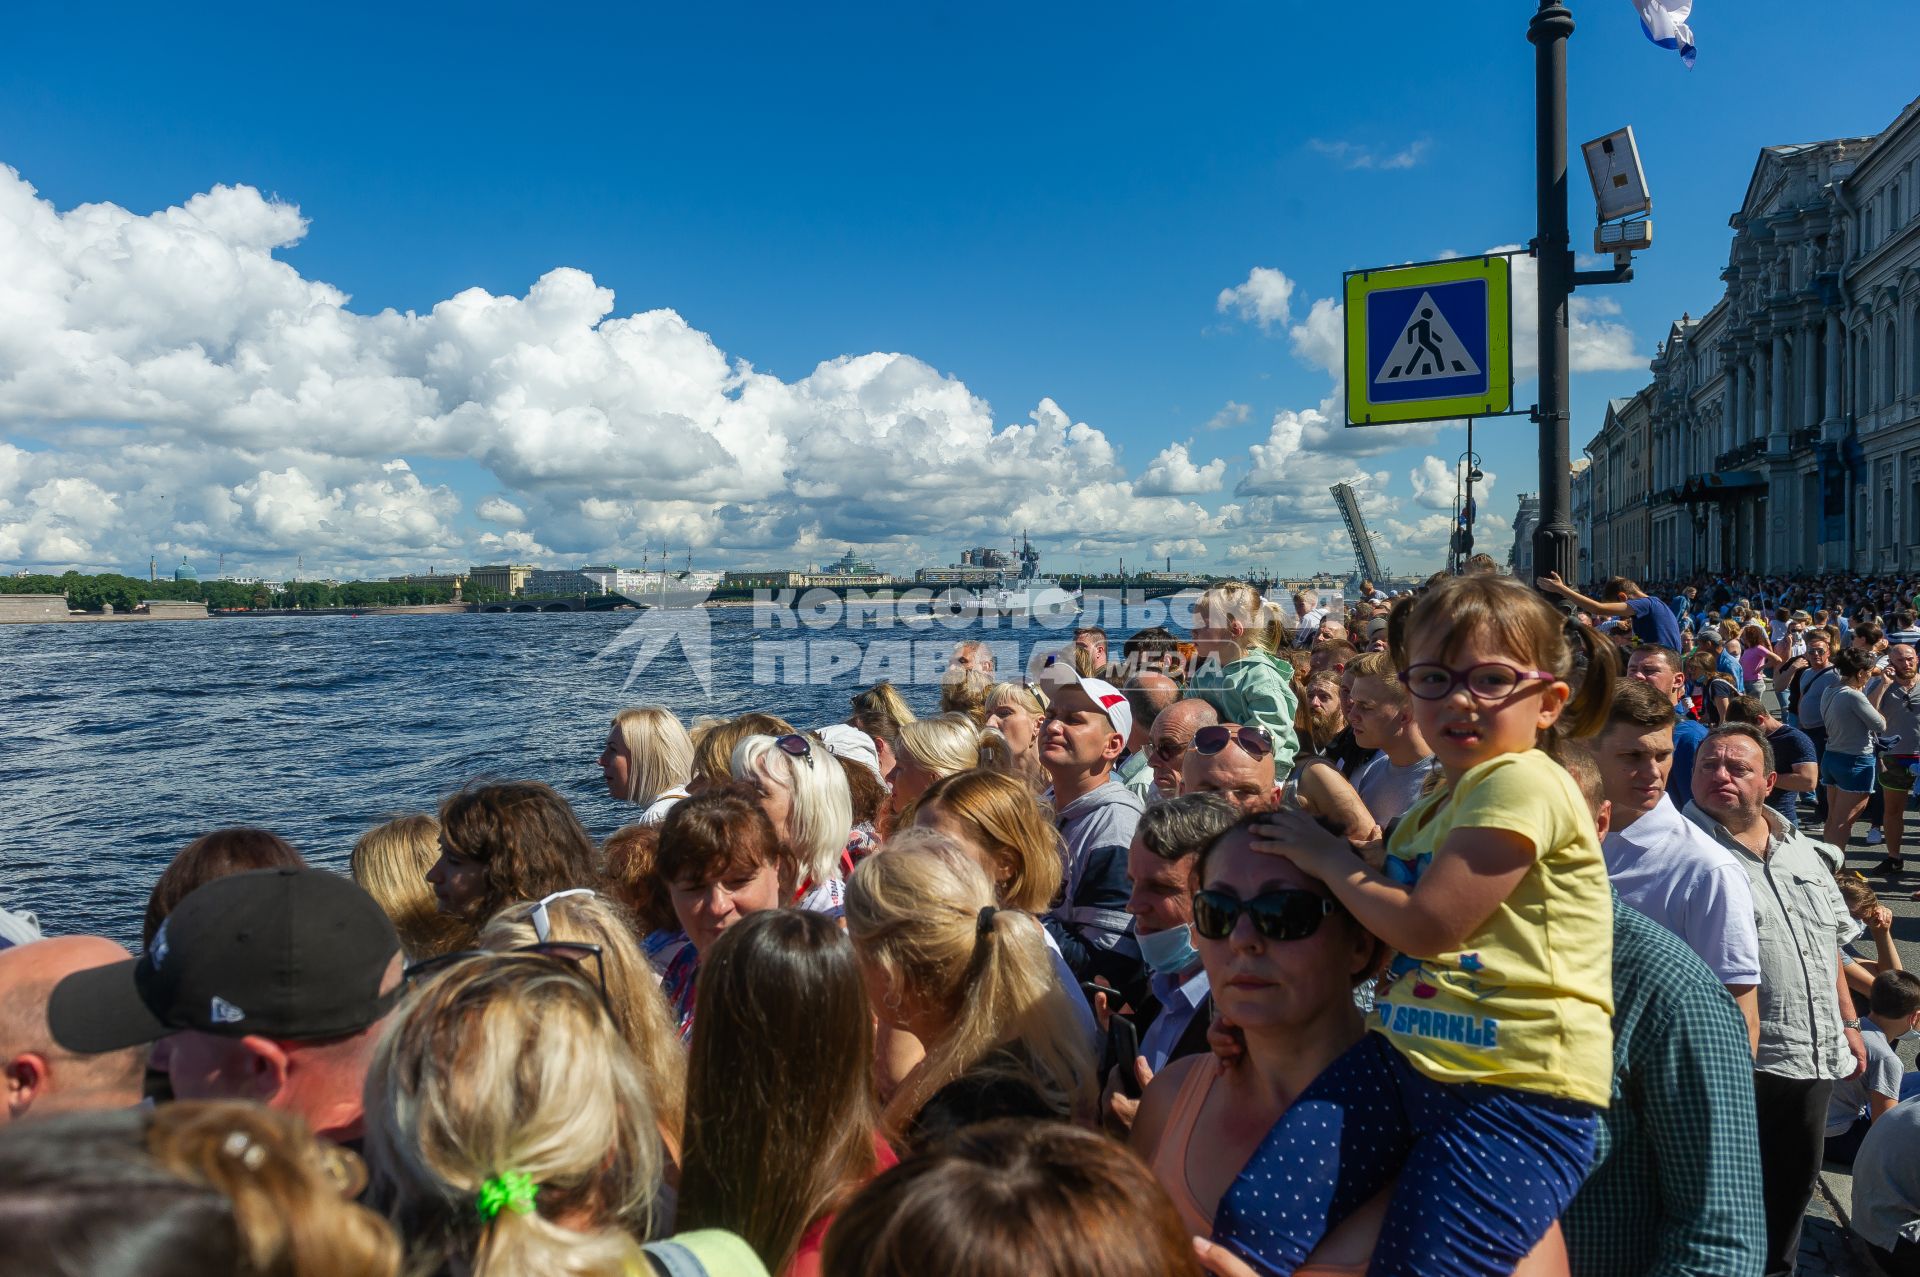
pixel 390 862
pixel 821 812
pixel 511 1064
pixel 659 751
pixel 1265 620
pixel 949 743
pixel 633 991
pixel 1030 699
pixel 965 692
pixel 917 918
pixel 1010 825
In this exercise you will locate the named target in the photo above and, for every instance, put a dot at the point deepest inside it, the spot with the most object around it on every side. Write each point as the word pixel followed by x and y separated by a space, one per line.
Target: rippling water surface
pixel 120 742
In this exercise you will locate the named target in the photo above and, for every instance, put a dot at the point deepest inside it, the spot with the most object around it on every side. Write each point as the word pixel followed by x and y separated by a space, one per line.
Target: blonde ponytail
pixel 1264 621
pixel 923 918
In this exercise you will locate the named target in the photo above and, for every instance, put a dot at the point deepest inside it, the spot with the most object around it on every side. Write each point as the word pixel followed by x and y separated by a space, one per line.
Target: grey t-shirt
pixel 1387 790
pixel 1851 722
pixel 1882 1077
pixel 1886 1179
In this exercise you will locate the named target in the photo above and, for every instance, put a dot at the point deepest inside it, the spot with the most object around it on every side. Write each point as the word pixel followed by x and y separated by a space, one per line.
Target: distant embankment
pixel 22 609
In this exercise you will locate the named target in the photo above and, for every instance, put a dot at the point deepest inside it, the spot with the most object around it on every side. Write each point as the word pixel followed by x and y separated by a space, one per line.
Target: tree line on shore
pixel 91 593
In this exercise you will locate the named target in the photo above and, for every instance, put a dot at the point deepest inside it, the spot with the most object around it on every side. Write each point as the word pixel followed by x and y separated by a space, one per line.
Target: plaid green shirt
pixel 1675 1185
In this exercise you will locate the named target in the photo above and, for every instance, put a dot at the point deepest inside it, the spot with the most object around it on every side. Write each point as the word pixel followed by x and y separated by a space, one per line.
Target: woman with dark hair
pixel 781 1118
pixel 1013 1199
pixel 1852 721
pixel 515 840
pixel 1290 995
pixel 721 861
pixel 210 856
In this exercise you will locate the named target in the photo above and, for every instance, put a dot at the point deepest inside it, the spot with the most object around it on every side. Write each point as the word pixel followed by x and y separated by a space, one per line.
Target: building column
pixel 1777 396
pixel 1808 361
pixel 1730 416
pixel 1831 409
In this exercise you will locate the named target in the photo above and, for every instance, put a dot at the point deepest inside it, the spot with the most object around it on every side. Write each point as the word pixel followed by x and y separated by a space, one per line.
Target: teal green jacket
pixel 1255 691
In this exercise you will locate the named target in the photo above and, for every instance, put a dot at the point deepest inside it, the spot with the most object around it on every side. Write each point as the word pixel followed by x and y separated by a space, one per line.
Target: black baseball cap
pixel 283 953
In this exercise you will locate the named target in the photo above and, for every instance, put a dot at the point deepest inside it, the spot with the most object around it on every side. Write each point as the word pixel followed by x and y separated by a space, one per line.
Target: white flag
pixel 1665 22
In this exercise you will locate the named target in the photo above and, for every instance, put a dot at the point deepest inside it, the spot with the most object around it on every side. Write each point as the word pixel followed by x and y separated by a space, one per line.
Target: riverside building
pixel 1781 430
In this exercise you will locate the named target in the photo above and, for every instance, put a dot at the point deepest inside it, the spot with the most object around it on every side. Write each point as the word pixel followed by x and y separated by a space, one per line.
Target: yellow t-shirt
pixel 1527 1002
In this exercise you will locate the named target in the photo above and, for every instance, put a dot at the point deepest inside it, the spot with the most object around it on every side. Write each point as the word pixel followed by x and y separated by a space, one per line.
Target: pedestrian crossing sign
pixel 1430 342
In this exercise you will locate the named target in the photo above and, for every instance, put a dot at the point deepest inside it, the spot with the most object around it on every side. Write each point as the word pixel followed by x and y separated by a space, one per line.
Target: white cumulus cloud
pixel 1265 297
pixel 1173 473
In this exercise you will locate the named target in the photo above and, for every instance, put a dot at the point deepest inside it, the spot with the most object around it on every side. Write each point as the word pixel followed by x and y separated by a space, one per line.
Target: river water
pixel 121 742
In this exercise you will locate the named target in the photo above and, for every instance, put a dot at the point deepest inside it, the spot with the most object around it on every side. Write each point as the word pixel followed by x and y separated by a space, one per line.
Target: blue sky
pixel 1041 204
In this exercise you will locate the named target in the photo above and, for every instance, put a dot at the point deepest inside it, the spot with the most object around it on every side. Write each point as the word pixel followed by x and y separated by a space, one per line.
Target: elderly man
pixel 1175 1018
pixel 971 654
pixel 1661 668
pixel 1172 734
pixel 1809 1037
pixel 1796 764
pixel 1149 694
pixel 43 1077
pixel 269 985
pixel 1232 761
pixel 1662 863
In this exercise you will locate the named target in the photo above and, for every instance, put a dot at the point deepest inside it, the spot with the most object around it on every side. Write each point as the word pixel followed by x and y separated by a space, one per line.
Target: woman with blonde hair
pixel 1015 710
pixel 509 1128
pixel 647 760
pixel 580 917
pixel 1238 636
pixel 930 748
pixel 781 1118
pixel 715 740
pixel 804 790
pixel 993 814
pixel 880 712
pixel 390 862
pixel 974 984
pixel 1010 835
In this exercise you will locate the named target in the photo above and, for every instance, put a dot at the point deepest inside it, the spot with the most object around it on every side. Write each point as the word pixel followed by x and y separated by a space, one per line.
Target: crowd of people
pixel 1444 933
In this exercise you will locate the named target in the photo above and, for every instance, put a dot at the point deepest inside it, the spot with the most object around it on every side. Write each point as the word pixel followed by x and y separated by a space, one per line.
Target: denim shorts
pixel 1848 773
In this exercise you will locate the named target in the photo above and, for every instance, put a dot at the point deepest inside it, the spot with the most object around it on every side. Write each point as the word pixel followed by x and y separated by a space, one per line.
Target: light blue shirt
pixel 1178 1005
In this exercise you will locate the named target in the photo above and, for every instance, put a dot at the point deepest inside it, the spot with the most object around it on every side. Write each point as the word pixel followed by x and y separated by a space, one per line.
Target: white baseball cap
pixel 851 745
pixel 1058 672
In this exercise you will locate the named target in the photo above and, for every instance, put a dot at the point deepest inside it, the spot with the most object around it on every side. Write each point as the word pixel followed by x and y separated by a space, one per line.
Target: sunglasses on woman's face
pixel 1254 740
pixel 795 746
pixel 570 952
pixel 1287 914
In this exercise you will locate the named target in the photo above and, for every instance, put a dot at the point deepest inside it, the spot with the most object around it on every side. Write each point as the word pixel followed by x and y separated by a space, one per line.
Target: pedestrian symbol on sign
pixel 1427 348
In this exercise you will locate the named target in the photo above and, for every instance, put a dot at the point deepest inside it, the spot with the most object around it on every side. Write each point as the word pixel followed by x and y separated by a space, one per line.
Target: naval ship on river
pixel 1026 593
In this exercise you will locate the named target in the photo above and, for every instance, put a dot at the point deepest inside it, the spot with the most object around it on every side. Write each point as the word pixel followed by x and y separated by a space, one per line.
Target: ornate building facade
pixel 1783 426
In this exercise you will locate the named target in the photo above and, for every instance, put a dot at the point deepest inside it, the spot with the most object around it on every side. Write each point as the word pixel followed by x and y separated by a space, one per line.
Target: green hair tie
pixel 512 1191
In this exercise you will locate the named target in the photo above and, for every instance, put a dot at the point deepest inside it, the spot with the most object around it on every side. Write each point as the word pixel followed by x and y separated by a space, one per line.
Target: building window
pixel 1889 359
pixel 1913 498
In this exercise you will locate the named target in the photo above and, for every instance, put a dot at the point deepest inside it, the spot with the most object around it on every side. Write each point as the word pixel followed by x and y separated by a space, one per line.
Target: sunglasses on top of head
pixel 573 953
pixel 1290 913
pixel 795 745
pixel 1253 740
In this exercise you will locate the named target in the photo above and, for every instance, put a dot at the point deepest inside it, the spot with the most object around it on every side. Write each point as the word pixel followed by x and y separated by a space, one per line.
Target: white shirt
pixel 657 809
pixel 1671 870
